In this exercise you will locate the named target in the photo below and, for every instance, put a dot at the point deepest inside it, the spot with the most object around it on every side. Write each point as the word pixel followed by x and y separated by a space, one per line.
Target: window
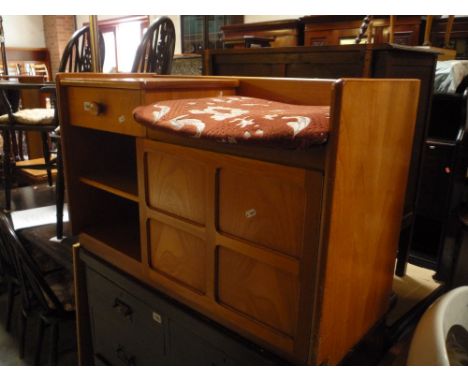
pixel 122 37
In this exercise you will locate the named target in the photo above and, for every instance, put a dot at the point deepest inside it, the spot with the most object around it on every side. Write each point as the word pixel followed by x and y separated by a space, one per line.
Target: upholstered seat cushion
pixel 236 119
pixel 31 117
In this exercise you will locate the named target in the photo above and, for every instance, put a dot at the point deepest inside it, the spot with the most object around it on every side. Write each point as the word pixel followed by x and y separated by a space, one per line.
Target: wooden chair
pixel 9 274
pixel 50 294
pixel 40 69
pixel 76 58
pixel 156 50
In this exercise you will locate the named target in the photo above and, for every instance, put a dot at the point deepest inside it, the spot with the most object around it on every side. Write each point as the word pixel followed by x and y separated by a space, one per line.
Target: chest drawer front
pixel 105 109
pixel 125 330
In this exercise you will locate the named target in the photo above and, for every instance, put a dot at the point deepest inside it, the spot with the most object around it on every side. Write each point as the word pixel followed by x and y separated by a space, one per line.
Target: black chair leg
pixel 10 301
pixel 54 336
pixel 46 151
pixel 22 333
pixel 59 191
pixel 40 337
pixel 7 168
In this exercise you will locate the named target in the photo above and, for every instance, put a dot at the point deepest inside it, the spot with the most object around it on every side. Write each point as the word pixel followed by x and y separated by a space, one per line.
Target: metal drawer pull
pixel 157 317
pixel 124 309
pixel 93 108
pixel 122 355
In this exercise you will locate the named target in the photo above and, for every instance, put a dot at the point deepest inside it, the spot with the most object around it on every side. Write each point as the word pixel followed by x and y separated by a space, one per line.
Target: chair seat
pixel 236 119
pixel 31 117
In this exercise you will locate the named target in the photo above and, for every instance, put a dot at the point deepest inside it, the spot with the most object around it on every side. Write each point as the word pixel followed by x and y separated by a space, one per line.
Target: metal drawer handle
pixel 124 309
pixel 122 355
pixel 93 108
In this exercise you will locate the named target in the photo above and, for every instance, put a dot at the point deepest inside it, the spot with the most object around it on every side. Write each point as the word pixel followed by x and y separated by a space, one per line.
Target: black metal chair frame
pixel 156 50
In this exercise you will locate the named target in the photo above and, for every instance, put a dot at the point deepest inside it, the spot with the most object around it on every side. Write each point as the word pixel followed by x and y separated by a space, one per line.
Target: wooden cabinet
pixel 204 32
pixel 28 61
pixel 284 33
pixel 337 30
pixel 283 247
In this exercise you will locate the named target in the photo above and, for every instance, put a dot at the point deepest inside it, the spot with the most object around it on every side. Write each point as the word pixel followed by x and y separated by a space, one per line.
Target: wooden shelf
pixel 114 183
pixel 122 236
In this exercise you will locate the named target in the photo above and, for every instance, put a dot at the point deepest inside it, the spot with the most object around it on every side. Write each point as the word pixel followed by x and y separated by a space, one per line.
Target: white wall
pixel 80 19
pixel 260 18
pixel 24 31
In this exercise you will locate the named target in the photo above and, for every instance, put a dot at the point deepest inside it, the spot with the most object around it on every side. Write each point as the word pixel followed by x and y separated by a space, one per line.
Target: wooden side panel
pixel 177 186
pixel 370 151
pixel 261 291
pixel 266 208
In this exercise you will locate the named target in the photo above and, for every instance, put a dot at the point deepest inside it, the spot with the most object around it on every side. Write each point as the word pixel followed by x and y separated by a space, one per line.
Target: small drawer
pixel 105 109
pixel 125 330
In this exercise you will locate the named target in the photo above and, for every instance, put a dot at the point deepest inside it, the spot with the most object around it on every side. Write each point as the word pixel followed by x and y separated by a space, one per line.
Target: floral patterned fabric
pixel 236 119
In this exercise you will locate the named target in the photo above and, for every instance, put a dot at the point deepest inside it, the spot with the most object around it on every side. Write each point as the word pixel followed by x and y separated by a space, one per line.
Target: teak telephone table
pixel 308 276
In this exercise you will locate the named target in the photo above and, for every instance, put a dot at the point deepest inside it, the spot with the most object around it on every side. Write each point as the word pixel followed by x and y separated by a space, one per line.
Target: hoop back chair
pixel 51 297
pixel 75 58
pixel 156 50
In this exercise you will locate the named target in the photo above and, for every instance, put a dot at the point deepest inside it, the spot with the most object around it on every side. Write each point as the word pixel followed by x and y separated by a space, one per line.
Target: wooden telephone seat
pixel 293 249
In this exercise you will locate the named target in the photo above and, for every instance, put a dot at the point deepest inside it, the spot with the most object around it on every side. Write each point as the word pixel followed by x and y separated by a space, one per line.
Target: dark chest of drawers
pixel 133 325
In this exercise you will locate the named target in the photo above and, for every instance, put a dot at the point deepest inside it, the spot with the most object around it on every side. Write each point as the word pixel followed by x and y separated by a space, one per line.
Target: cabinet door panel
pixel 261 291
pixel 177 255
pixel 264 209
pixel 177 186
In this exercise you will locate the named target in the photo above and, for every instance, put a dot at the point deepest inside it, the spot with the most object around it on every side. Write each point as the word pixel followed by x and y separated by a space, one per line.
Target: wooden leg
pixel 7 168
pixel 59 191
pixel 46 151
pixel 20 137
pixel 403 251
pixel 14 144
pixel 54 336
pixel 22 333
pixel 40 337
pixel 10 301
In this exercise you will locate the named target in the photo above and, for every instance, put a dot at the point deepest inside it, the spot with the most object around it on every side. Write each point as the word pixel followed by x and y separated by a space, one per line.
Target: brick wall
pixel 57 32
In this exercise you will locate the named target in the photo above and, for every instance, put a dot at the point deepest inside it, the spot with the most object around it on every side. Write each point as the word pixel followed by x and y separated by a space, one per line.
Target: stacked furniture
pixel 291 249
pixel 366 61
pixel 444 175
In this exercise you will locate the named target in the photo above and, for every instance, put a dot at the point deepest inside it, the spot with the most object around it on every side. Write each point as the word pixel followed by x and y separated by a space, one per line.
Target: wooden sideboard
pixel 284 32
pixel 326 30
pixel 367 61
pixel 307 275
pixel 28 61
pixel 336 30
